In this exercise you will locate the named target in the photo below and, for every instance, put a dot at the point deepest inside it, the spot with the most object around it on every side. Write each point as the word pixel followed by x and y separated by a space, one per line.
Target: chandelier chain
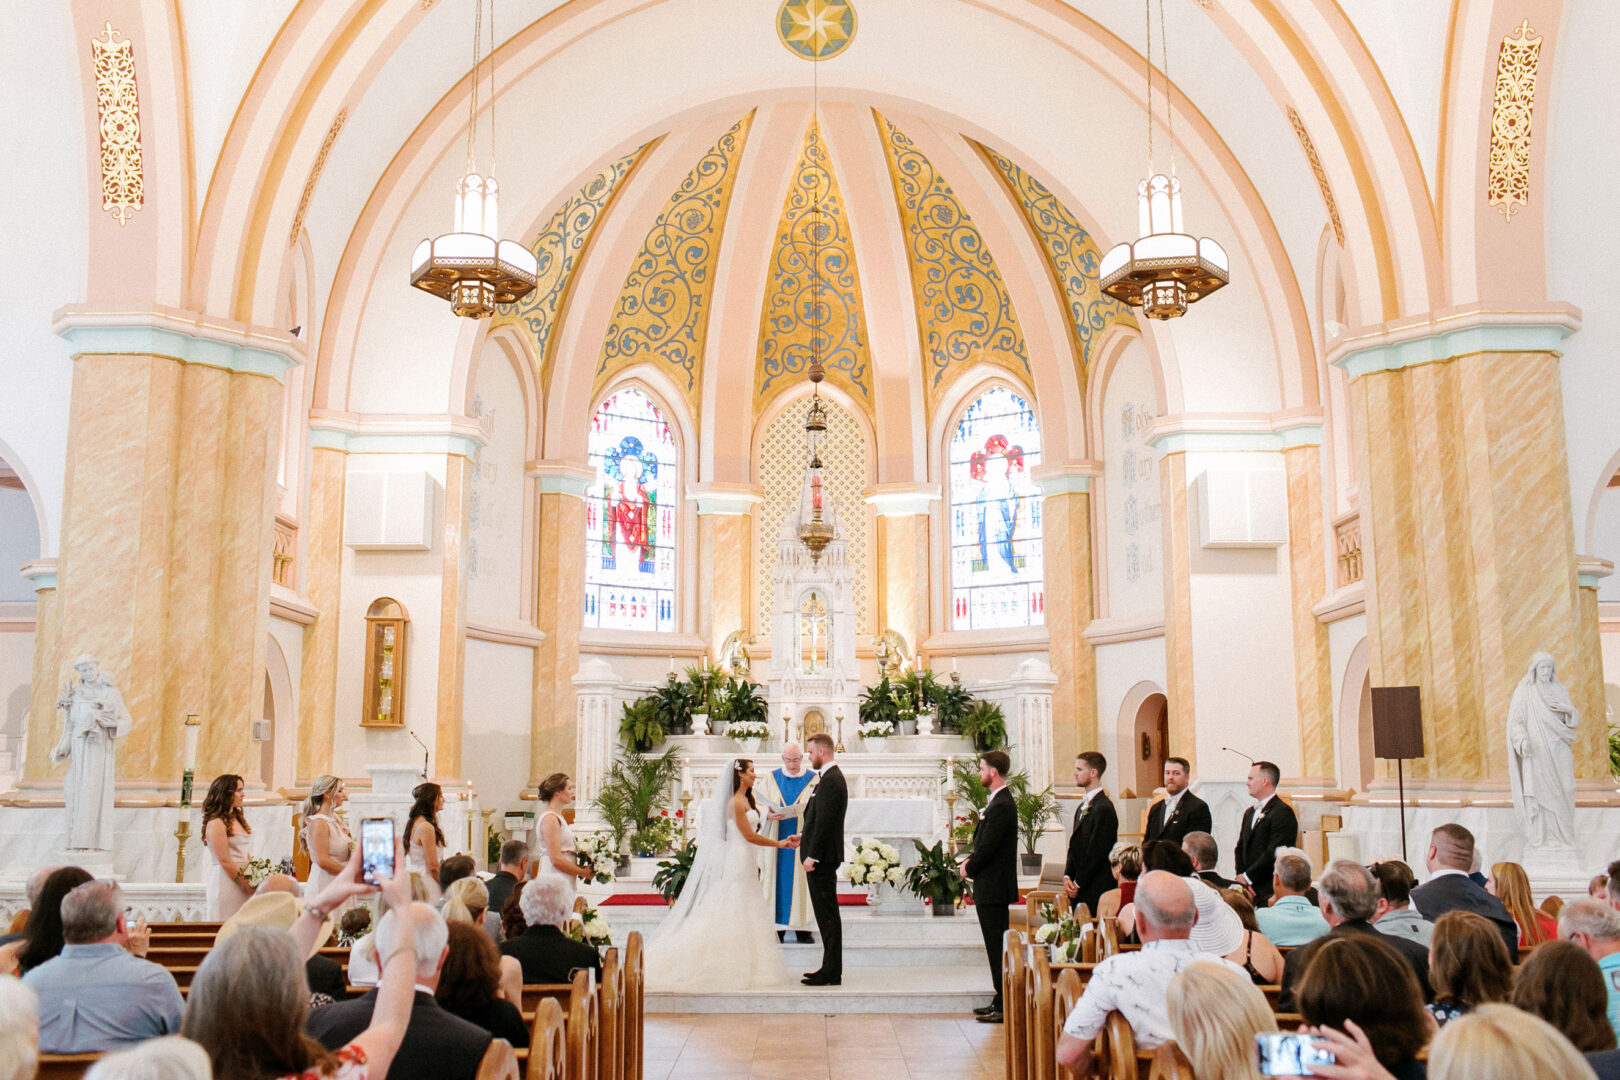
pixel 492 88
pixel 1164 67
pixel 472 98
pixel 1147 58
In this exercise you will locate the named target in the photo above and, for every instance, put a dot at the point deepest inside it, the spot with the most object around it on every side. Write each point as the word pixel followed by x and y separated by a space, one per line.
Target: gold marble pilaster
pixel 1307 569
pixel 725 560
pixel 453 614
pixel 559 614
pixel 1585 681
pixel 1070 607
pixel 1178 656
pixel 1468 547
pixel 42 714
pixel 322 531
pixel 900 562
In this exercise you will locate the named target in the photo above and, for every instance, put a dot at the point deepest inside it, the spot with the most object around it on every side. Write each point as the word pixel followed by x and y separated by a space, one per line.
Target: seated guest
pixel 1215 1015
pixel 172 1057
pixel 1201 848
pixel 1565 987
pixel 1598 887
pixel 437 1044
pixel 1349 898
pixel 95 996
pixel 470 985
pixel 513 868
pixel 36 882
pixel 1258 956
pixel 1125 863
pixel 546 953
pixel 512 924
pixel 278 902
pixel 1360 985
pixel 1468 965
pixel 1395 915
pixel 1137 983
pixel 1595 927
pixel 1291 919
pixel 42 937
pixel 248 1003
pixel 454 869
pixel 1499 1042
pixel 1511 885
pixel 1449 888
pixel 19 1030
pixel 467 901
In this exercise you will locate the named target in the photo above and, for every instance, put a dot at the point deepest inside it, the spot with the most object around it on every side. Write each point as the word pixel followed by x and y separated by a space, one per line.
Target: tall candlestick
pixel 686 774
pixel 953 664
pixel 672 663
pixel 193 726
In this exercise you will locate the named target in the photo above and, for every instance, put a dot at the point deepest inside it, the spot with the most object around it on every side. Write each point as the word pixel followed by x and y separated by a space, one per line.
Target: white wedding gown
pixel 719 935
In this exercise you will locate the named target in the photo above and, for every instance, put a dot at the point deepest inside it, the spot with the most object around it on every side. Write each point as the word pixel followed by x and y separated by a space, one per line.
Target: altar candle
pixel 192 726
pixel 953 664
pixel 686 774
pixel 672 663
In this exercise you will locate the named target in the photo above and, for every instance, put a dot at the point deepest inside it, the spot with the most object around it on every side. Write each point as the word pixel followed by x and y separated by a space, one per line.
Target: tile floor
pixel 779 1046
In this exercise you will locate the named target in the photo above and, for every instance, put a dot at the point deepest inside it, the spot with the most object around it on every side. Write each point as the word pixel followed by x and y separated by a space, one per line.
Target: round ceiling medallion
pixel 816 29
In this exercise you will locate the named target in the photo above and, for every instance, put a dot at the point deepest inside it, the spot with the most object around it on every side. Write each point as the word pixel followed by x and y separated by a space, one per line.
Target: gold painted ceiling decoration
pixel 964 313
pixel 1512 104
pixel 816 29
pixel 1315 160
pixel 558 249
pixel 662 313
pixel 118 115
pixel 805 301
pixel 1071 254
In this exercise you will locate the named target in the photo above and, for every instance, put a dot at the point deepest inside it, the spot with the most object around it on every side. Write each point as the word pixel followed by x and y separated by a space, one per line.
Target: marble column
pixel 900 561
pixel 726 560
pixel 1178 656
pixel 1467 537
pixel 1308 582
pixel 323 587
pixel 1070 607
pixel 164 572
pixel 453 614
pixel 559 614
pixel 44 721
pixel 1585 678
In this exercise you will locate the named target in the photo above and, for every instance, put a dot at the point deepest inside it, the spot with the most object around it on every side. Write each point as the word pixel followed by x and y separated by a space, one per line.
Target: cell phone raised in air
pixel 1289 1053
pixel 376 849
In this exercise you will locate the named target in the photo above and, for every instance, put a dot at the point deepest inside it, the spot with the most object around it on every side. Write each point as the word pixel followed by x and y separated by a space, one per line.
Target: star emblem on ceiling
pixel 816 29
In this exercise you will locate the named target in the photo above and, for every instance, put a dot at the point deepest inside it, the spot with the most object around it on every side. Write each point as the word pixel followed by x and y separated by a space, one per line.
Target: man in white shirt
pixel 1136 983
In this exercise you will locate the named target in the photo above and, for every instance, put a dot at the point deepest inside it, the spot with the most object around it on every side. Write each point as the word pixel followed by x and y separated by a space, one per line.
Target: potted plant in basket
pixel 878 705
pixel 657 836
pixel 635 791
pixel 747 714
pixel 673 872
pixel 875 735
pixel 675 706
pixel 951 700
pixel 935 878
pixel 640 727
pixel 1036 810
pixel 984 724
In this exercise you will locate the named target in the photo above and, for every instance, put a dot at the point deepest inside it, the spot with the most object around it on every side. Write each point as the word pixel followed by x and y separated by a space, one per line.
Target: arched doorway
pixel 279 717
pixel 1355 722
pixel 1150 736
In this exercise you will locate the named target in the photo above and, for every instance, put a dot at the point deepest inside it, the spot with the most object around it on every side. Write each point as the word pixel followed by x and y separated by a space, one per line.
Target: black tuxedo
pixel 823 841
pixel 500 887
pixel 1297 960
pixel 1215 880
pixel 1192 815
pixel 1096 829
pixel 325 976
pixel 1256 852
pixel 1456 892
pixel 550 956
pixel 437 1044
pixel 993 867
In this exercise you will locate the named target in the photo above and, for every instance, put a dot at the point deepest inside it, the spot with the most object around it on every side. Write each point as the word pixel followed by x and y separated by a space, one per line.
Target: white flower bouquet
pixel 257 869
pixel 875 729
pixel 874 863
pixel 598 852
pixel 747 729
pixel 591 928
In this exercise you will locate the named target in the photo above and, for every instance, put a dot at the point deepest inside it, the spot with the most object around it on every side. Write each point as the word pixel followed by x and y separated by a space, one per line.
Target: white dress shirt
pixel 1136 984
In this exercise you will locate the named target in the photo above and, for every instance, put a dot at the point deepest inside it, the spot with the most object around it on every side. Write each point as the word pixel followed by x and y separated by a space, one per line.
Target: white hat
pixel 1218 930
pixel 274 909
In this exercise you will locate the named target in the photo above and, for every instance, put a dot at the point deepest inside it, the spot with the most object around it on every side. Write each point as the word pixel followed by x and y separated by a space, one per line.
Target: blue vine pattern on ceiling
pixel 1070 251
pixel 814 300
pixel 663 308
pixel 963 308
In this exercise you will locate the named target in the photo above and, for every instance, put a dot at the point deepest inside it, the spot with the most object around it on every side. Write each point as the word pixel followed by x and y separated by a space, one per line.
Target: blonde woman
pixel 1499 1042
pixel 1511 885
pixel 324 835
pixel 1215 1014
pixel 1125 863
pixel 467 901
pixel 19 1030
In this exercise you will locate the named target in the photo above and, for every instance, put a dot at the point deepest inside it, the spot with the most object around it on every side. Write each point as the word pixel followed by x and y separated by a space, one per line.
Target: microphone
pixel 1239 753
pixel 425 751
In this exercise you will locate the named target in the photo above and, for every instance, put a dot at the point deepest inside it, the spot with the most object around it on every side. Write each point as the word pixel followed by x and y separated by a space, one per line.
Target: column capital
pixel 1219 433
pixel 41 573
pixel 722 499
pixel 1066 477
pixel 903 499
pixel 1589 570
pixel 1448 332
pixel 561 477
pixel 186 336
pixel 395 433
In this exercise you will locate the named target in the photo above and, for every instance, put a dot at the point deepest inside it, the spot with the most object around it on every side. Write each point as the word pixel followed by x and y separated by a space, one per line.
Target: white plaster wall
pixel 1343 637
pixel 224 43
pixel 290 636
pixel 19 544
pixel 1120 666
pixel 1410 51
pixel 16 667
pixel 496 708
pixel 1134 538
pixel 495 535
pixel 44 169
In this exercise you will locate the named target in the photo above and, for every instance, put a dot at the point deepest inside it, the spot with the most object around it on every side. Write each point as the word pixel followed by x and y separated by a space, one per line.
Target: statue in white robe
pixel 96 716
pixel 1541 767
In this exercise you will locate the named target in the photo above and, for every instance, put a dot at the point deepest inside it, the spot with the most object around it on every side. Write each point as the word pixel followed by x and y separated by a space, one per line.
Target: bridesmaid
pixel 554 840
pixel 325 836
pixel 423 837
pixel 225 836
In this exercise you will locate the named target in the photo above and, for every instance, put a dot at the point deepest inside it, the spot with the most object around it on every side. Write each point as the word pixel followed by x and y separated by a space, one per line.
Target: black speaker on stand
pixel 1397 716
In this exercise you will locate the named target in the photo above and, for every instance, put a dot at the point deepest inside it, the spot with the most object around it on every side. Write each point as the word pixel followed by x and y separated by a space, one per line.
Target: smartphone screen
pixel 1289 1053
pixel 376 849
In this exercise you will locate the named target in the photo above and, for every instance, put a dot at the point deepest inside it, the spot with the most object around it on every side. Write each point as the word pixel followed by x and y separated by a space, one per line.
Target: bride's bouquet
pixel 597 851
pixel 874 863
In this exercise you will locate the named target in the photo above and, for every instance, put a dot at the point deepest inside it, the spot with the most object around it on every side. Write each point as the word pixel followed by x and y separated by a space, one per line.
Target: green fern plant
pixel 985 725
pixel 640 727
pixel 1614 750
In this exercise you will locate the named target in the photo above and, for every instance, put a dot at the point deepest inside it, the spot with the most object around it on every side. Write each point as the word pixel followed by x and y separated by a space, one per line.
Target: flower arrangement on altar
pixel 875 729
pixel 590 927
pixel 658 835
pixel 748 729
pixel 601 854
pixel 874 863
pixel 1062 937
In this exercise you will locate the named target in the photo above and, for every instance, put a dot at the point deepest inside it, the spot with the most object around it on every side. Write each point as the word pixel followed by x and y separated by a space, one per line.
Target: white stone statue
pixel 1541 767
pixel 95 717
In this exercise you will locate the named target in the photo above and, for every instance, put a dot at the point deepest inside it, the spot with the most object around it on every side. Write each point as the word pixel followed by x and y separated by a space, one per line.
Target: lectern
pixel 1397 716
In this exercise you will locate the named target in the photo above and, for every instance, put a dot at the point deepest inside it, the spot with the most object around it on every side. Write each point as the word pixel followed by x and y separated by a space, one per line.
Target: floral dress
pixel 351 1065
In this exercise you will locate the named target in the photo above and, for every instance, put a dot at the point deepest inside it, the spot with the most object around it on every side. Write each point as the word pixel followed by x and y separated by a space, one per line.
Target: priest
pixel 786 790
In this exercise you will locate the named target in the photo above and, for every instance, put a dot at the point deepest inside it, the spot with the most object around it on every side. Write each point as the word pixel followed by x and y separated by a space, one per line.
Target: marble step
pixel 860 929
pixel 950 991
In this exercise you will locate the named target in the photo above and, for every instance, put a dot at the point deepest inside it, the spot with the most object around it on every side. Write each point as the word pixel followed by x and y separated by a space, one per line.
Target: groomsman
pixel 993 867
pixel 1086 875
pixel 1267 826
pixel 1180 811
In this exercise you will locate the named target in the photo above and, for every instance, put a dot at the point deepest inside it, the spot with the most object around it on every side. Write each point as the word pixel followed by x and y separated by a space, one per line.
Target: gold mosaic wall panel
pixel 118 113
pixel 1508 179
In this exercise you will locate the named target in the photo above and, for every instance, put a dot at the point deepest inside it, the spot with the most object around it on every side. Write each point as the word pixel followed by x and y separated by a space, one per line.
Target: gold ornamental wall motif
pixel 118 111
pixel 1508 183
pixel 1311 156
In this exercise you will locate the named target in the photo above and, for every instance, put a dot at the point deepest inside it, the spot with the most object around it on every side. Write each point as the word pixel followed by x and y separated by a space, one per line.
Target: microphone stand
pixel 425 751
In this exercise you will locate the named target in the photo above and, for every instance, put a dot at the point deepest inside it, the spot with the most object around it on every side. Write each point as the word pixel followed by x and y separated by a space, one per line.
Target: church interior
pixel 443 391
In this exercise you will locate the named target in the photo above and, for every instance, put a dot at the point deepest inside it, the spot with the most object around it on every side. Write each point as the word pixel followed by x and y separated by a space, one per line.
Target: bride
pixel 719 935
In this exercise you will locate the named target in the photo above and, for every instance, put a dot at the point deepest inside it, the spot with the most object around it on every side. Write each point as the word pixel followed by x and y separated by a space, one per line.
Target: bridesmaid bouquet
pixel 257 869
pixel 598 852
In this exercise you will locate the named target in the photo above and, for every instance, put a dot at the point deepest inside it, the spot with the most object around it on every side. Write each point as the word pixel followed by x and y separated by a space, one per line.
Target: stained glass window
pixel 995 515
pixel 630 515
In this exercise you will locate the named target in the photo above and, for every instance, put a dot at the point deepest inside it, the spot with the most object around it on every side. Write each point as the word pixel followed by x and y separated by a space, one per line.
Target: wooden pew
pixel 1041 1047
pixel 548 1043
pixel 582 1027
pixel 610 1018
pixel 65 1066
pixel 498 1063
pixel 1014 1006
pixel 1169 1063
pixel 635 991
pixel 535 993
pixel 1115 1049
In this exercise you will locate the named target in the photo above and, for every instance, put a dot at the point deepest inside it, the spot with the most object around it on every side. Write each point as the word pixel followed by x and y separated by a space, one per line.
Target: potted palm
pixel 951 700
pixel 1036 810
pixel 984 724
pixel 935 878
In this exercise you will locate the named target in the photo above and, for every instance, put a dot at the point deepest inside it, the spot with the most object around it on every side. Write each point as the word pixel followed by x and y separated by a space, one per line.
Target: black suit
pixel 325 976
pixel 1192 815
pixel 1256 851
pixel 1297 960
pixel 500 887
pixel 550 956
pixel 1096 829
pixel 1215 880
pixel 993 867
pixel 437 1045
pixel 1457 892
pixel 823 841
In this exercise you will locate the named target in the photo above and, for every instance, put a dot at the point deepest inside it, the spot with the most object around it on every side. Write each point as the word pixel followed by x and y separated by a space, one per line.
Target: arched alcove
pixel 1143 715
pixel 1355 721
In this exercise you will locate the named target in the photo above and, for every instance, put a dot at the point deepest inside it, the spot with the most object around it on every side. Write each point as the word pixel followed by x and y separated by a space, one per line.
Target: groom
pixel 822 849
